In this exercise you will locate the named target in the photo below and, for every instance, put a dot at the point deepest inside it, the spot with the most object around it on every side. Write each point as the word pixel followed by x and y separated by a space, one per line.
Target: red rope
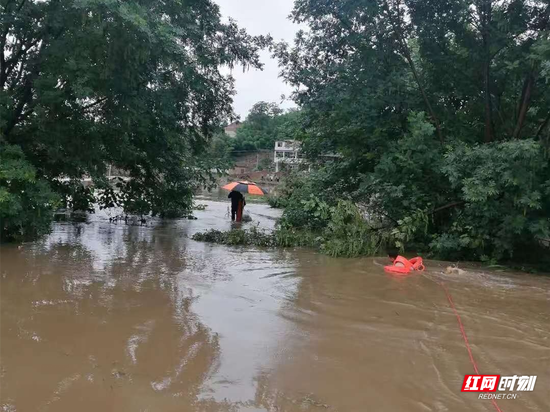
pixel 453 307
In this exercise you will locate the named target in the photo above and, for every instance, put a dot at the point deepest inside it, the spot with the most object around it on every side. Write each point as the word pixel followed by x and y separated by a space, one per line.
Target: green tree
pixel 26 200
pixel 219 151
pixel 400 89
pixel 265 124
pixel 504 191
pixel 135 84
pixel 478 68
pixel 257 131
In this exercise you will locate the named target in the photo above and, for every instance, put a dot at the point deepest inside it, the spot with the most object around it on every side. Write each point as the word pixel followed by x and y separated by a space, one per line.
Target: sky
pixel 261 17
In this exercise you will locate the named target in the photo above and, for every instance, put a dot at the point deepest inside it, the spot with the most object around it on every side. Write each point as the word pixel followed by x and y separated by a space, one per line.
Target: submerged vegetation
pixel 338 230
pixel 252 237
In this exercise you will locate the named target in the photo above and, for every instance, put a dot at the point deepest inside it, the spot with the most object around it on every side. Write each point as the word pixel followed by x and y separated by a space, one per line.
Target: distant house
pixel 240 170
pixel 287 152
pixel 231 130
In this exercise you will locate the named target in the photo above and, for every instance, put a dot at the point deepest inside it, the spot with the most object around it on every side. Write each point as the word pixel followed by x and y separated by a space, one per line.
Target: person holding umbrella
pixel 238 202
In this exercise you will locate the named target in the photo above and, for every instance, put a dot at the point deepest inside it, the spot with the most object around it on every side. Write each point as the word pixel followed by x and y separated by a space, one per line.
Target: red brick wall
pixel 250 161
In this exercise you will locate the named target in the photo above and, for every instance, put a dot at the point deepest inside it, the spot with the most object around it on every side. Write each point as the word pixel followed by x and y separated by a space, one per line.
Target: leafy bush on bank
pixel 338 231
pixel 488 202
pixel 26 201
pixel 276 202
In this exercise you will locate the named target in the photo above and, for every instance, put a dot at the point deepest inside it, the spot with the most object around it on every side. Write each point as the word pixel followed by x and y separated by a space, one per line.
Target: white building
pixel 287 152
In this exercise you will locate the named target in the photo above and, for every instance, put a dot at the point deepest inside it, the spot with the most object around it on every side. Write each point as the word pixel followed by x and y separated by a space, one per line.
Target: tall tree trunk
pixel 407 54
pixel 3 73
pixel 424 96
pixel 15 117
pixel 488 105
pixel 485 12
pixel 542 126
pixel 524 103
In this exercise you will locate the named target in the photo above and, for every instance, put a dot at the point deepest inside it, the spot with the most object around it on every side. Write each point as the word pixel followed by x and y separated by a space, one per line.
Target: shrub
pixel 476 202
pixel 290 237
pixel 505 195
pixel 344 233
pixel 251 237
pixel 348 234
pixel 311 214
pixel 277 202
pixel 26 201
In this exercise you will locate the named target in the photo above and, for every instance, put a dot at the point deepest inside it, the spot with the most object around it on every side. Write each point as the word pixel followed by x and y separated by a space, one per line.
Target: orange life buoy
pixel 417 263
pixel 403 266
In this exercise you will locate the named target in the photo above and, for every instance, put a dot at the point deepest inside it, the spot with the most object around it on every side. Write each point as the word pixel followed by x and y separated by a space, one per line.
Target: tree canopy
pixel 463 62
pixel 135 84
pixel 440 110
pixel 265 124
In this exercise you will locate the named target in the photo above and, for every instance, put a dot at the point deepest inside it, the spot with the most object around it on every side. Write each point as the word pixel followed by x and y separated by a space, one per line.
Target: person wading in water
pixel 237 205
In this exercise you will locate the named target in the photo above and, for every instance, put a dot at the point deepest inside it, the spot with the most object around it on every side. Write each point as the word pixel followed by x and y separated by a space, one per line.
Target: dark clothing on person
pixel 235 197
pixel 392 252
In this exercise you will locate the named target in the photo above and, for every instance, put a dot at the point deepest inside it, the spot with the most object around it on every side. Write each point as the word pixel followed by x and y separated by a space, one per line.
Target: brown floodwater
pixel 113 317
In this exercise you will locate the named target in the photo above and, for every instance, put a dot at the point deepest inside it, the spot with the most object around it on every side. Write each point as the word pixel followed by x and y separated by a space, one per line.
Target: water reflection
pixel 108 313
pixel 99 316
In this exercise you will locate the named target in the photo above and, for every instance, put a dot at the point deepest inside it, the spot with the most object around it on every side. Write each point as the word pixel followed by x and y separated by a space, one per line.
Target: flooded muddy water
pixel 112 317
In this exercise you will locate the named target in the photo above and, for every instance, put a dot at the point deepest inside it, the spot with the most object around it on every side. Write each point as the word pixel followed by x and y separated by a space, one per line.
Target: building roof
pixel 233 126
